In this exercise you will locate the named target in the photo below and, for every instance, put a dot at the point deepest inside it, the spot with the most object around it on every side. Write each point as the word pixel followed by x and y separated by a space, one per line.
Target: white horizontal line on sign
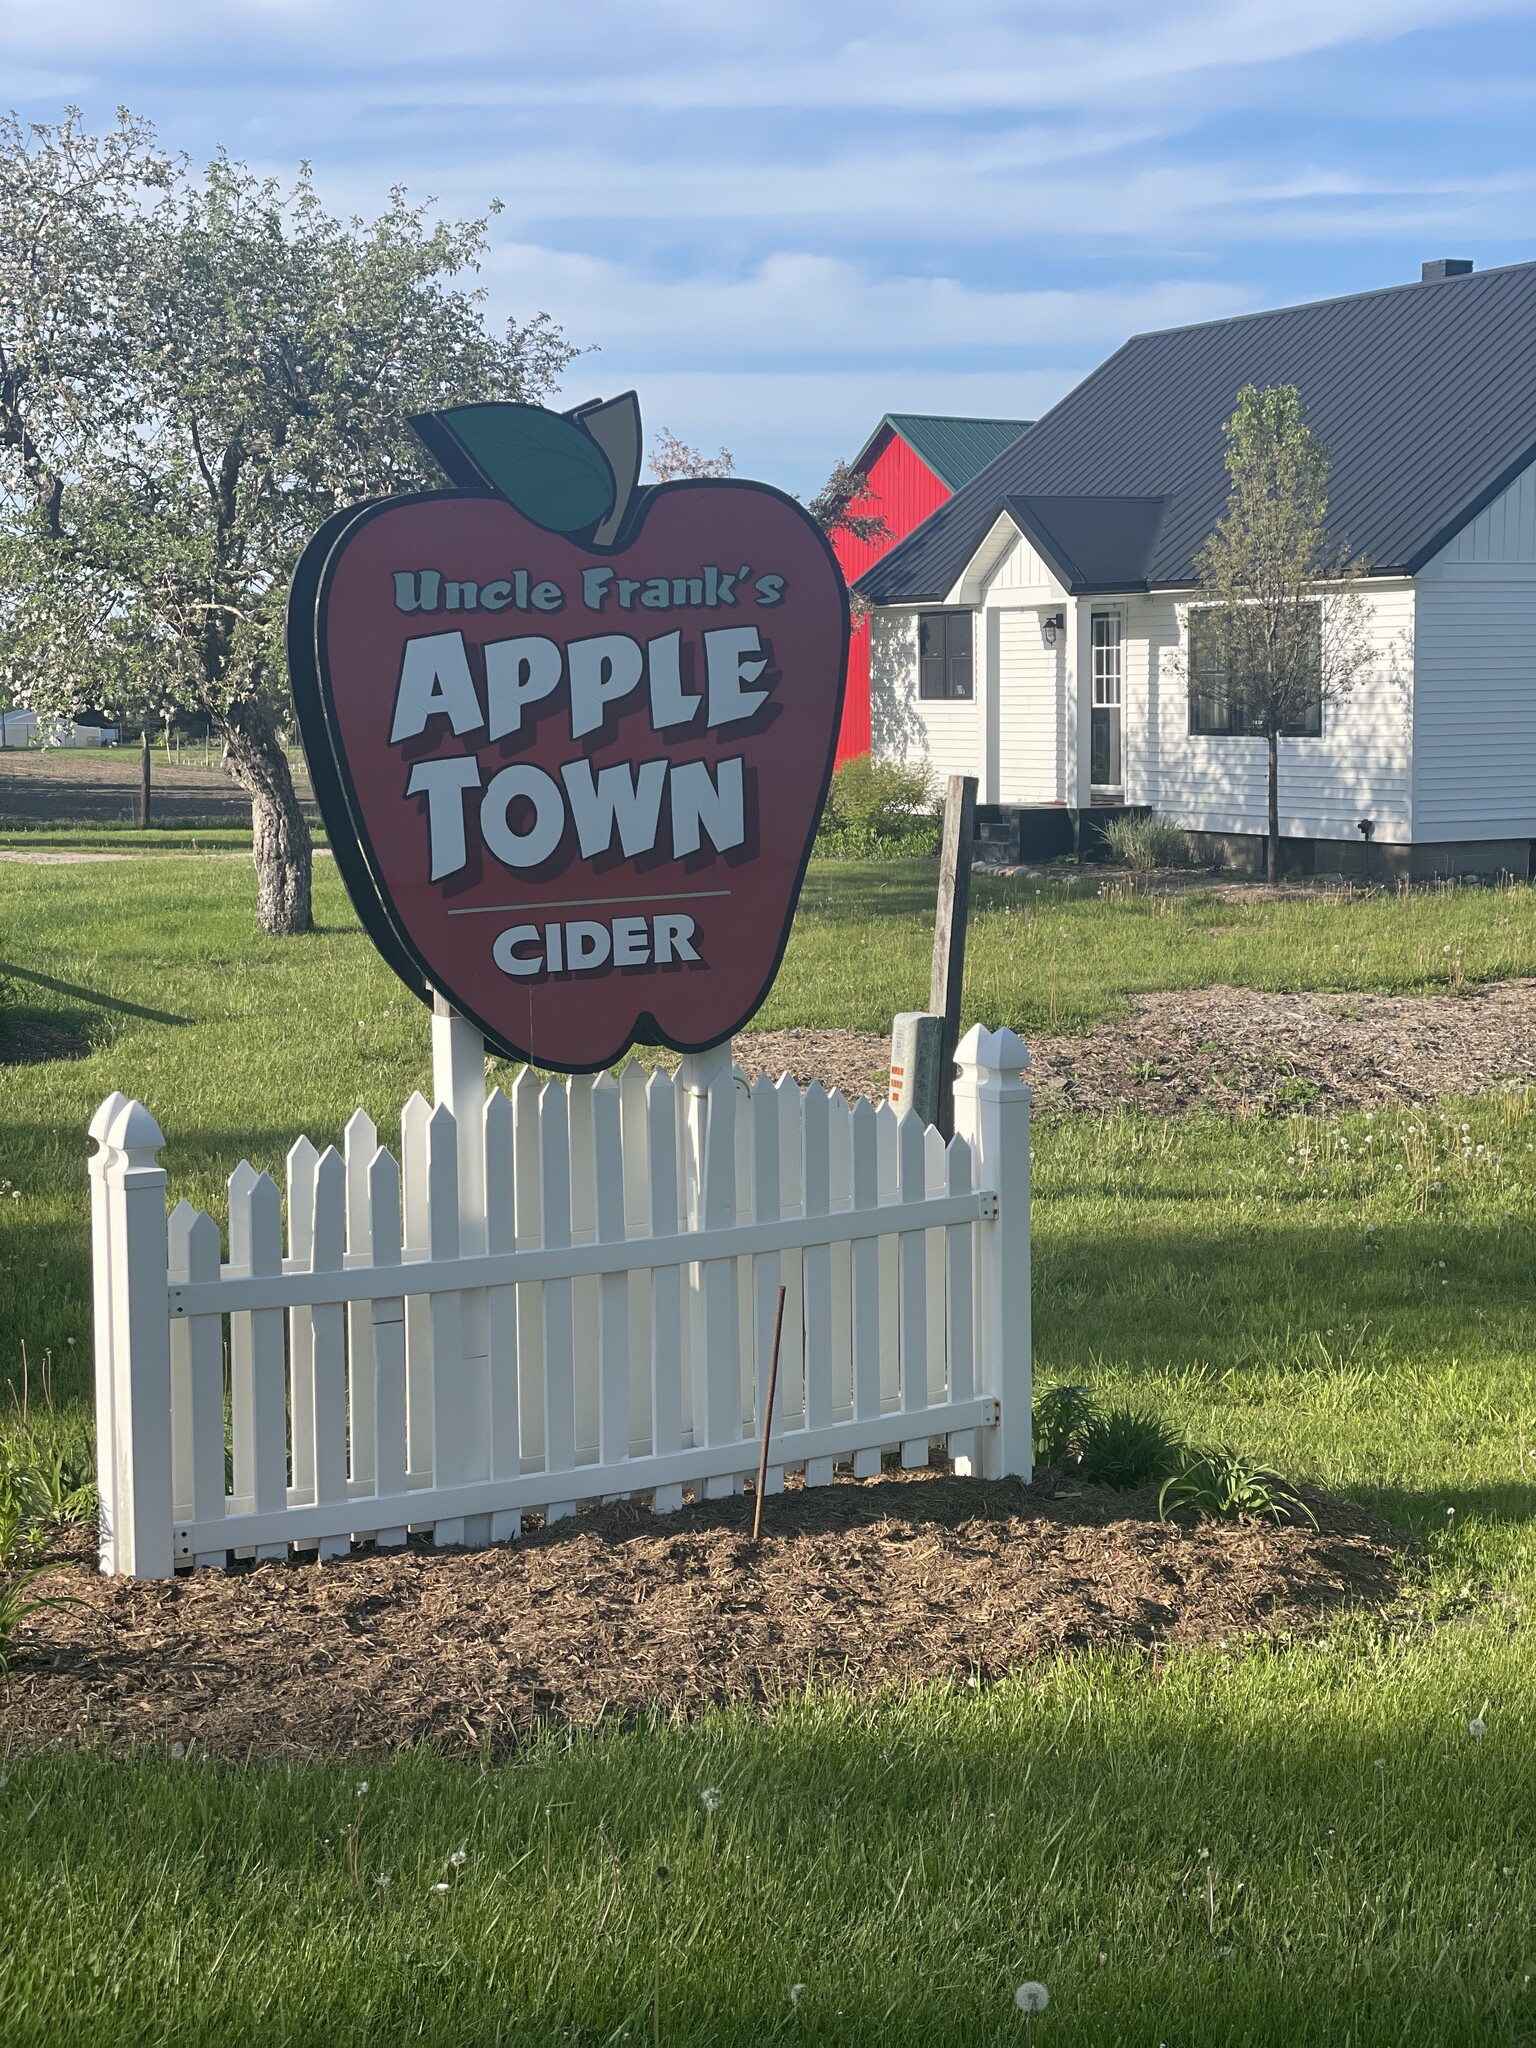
pixel 584 903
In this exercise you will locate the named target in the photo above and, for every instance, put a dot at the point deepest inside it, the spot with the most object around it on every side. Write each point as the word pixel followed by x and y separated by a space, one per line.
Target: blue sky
pixel 779 221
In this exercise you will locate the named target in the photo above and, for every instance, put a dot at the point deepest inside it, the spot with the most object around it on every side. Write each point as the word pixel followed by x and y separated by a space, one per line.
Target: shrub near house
pixel 879 810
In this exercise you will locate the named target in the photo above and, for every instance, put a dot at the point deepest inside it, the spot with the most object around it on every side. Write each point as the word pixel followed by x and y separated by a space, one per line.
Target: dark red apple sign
pixel 573 776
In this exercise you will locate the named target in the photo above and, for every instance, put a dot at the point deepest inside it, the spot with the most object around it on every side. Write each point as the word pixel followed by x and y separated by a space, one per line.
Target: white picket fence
pixel 560 1294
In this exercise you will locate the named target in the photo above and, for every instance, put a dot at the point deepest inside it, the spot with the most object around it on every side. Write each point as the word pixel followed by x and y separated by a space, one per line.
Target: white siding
pixel 905 727
pixel 1150 648
pixel 1503 534
pixel 1474 742
pixel 1021 577
pixel 1031 740
pixel 1359 768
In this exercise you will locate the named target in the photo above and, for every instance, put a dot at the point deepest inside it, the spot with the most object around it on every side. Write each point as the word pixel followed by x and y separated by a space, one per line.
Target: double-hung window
pixel 944 655
pixel 1215 709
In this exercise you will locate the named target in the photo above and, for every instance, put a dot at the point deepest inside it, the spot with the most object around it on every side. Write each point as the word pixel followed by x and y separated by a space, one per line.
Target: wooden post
pixel 144 779
pixel 949 933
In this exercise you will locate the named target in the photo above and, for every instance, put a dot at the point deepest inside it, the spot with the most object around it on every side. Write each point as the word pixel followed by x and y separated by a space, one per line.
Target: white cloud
pixel 757 54
pixel 782 218
pixel 794 305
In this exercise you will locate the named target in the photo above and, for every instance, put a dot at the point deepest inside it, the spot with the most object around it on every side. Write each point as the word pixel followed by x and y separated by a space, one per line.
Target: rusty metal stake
pixel 773 1387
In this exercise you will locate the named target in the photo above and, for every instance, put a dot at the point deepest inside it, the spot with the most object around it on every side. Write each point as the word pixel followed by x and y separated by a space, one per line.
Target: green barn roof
pixel 954 448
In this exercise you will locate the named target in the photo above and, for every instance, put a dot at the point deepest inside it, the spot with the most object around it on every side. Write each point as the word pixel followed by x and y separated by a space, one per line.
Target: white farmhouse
pixel 1034 631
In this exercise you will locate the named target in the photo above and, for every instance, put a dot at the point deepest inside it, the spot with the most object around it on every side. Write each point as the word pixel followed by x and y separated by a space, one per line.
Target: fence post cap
pixel 105 1116
pixel 134 1130
pixel 997 1052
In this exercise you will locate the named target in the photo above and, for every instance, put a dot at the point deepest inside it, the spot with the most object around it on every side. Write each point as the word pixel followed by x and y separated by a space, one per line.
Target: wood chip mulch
pixel 1239 1052
pixel 858 1585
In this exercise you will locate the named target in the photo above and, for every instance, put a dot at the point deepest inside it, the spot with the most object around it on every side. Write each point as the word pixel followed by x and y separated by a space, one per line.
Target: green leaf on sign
pixel 541 462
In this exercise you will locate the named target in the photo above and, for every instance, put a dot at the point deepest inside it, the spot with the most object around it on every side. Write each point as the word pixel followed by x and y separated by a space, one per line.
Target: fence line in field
pixel 559 1293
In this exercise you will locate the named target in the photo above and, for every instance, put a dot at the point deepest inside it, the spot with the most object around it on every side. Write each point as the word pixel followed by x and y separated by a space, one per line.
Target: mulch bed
pixel 858 1585
pixel 1240 1052
pixel 29 1042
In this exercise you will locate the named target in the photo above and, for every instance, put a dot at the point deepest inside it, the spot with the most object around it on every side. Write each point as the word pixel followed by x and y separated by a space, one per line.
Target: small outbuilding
pixel 1033 630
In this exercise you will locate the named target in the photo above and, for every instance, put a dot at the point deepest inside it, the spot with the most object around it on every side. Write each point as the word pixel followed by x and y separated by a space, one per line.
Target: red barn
pixel 913 461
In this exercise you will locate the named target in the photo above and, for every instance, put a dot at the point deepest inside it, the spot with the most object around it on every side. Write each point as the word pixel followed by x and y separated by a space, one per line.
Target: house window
pixel 1104 768
pixel 944 655
pixel 1212 710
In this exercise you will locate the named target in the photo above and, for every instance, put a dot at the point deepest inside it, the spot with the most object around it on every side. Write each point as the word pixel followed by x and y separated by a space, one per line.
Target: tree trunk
pixel 1274 809
pixel 280 841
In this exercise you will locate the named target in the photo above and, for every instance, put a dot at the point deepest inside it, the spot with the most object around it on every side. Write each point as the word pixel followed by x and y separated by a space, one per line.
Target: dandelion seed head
pixel 796 1993
pixel 440 1887
pixel 459 1858
pixel 1031 1997
pixel 709 1798
pixel 1477 1727
pixel 362 1790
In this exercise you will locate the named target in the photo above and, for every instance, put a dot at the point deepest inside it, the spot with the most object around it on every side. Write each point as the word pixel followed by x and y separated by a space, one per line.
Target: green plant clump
pixel 37 1489
pixel 1227 1484
pixel 1147 843
pixel 1120 1446
pixel 1063 1417
pixel 878 810
pixel 1127 1447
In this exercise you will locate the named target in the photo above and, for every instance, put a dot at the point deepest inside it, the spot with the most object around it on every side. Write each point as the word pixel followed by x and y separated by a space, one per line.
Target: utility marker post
pixel 949 925
pixel 144 779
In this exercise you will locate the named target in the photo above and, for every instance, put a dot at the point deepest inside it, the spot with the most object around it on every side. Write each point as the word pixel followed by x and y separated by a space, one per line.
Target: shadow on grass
pixel 94 997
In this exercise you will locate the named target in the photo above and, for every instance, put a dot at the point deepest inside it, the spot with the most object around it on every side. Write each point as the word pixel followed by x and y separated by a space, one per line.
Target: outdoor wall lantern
pixel 1051 625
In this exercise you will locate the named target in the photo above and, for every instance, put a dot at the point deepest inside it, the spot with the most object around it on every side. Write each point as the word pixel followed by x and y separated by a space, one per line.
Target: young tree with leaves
pixel 195 372
pixel 1280 627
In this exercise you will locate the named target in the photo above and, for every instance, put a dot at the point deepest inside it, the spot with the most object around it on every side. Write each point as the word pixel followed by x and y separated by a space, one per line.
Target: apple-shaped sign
pixel 571 738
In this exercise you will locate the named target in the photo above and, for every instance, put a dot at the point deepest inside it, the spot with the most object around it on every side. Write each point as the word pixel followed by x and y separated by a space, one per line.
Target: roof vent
pixel 1445 266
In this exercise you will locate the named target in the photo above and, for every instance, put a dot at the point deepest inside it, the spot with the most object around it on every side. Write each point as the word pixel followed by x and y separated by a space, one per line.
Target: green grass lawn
pixel 1351 1302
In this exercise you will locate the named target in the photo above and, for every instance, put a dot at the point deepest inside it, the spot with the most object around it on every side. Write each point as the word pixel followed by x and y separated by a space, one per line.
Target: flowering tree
pixel 195 372
pixel 672 458
pixel 1280 627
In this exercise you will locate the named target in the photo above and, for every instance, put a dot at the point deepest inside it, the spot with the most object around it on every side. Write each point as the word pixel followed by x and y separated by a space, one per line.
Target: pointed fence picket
pixel 583 1312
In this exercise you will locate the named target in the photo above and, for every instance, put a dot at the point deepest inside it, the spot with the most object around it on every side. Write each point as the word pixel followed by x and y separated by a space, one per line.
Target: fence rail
pixel 559 1293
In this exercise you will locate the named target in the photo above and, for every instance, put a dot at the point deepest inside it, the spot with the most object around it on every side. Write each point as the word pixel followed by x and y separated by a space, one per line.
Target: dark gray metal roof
pixel 1424 394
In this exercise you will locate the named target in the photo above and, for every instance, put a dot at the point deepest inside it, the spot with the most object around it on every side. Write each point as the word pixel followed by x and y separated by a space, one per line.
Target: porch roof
pixel 1091 544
